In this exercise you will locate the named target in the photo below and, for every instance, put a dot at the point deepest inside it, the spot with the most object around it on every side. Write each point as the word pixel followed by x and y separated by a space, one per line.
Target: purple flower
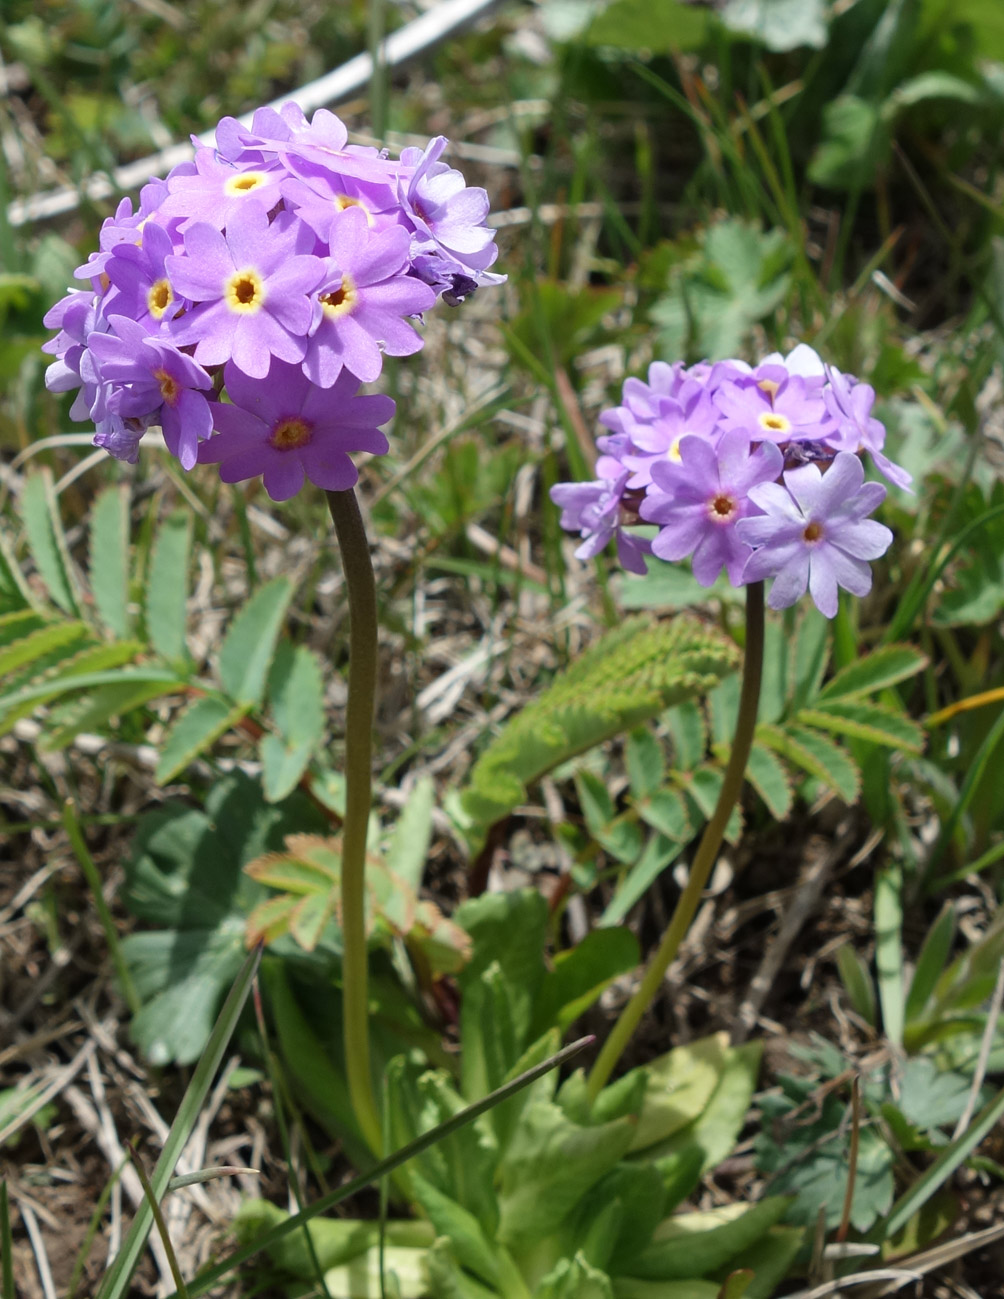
pixel 289 429
pixel 216 190
pixel 251 286
pixel 594 511
pixel 143 290
pixel 155 381
pixel 772 405
pixel 358 309
pixel 814 534
pixel 447 215
pixel 703 498
pixel 850 404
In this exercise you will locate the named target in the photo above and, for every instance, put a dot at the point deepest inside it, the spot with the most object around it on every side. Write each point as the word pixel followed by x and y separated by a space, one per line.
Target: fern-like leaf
pixel 47 541
pixel 628 677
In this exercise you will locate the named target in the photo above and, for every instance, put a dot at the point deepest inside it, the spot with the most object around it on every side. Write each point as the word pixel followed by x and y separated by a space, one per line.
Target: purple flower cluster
pixel 252 291
pixel 754 470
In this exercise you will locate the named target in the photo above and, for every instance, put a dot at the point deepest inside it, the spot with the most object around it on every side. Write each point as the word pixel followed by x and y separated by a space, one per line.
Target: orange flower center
pixel 170 389
pixel 290 433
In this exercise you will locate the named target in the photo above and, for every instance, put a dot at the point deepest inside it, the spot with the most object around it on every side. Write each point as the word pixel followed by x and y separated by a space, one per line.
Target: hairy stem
pixel 359 581
pixel 707 852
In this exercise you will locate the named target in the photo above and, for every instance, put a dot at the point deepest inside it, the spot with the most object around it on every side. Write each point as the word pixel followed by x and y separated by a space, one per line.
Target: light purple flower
pixel 142 289
pixel 359 307
pixel 772 405
pixel 447 215
pixel 594 511
pixel 699 502
pixel 218 190
pixel 289 430
pixel 850 404
pixel 153 380
pixel 814 534
pixel 252 287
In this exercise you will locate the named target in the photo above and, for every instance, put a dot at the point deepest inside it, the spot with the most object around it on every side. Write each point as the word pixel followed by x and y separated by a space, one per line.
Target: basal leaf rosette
pixel 284 251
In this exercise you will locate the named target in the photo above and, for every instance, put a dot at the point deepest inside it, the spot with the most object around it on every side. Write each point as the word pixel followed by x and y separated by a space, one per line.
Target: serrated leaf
pixel 865 721
pixel 108 558
pixel 657 854
pixel 816 755
pixel 87 681
pixel 14 590
pixel 29 649
pixel 248 646
pixel 95 710
pixel 703 789
pixel 770 780
pixel 167 585
pixel 882 668
pixel 688 733
pixel 646 763
pixel 192 732
pixel 409 846
pixel 666 811
pixel 47 541
pixel 282 765
pixel 633 673
pixel 296 694
pixel 309 865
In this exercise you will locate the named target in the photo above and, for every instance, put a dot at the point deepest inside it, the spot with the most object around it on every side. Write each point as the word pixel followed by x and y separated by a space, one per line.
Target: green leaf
pixel 580 975
pixel 697 1244
pixel 92 711
pixel 248 646
pixel 629 676
pixel 931 1097
pixel 888 906
pixel 167 585
pixel 659 26
pixel 335 1240
pixel 192 732
pixel 816 755
pixel 931 962
pixel 409 846
pixel 853 144
pixel 770 780
pixel 47 541
pixel 550 1163
pixel 574 1278
pixel 665 811
pixel 15 593
pixel 883 667
pixel 781 25
pixel 739 275
pixel 713 1133
pixel 296 695
pixel 646 763
pixel 680 1085
pixel 108 558
pixel 688 734
pixel 26 651
pixel 857 981
pixel 635 1288
pixel 864 721
pixel 657 854
pixel 472 1248
pixel 87 681
pixel 403 1272
pixel 770 1259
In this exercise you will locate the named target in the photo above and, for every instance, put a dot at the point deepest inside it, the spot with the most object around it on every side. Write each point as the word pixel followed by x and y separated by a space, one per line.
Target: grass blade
pixel 6 1245
pixel 116 1281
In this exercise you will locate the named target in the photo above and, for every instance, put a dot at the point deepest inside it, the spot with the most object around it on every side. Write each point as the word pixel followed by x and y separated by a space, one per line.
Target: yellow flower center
pixel 342 201
pixel 159 298
pixel 245 292
pixel 674 451
pixel 813 533
pixel 340 301
pixel 237 186
pixel 170 389
pixel 769 386
pixel 772 422
pixel 290 433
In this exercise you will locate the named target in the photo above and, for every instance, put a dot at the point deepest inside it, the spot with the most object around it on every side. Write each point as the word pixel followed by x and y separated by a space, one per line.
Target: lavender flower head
pixel 256 287
pixel 754 471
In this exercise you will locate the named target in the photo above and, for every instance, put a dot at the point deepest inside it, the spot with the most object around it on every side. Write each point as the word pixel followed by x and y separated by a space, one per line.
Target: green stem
pixel 706 854
pixel 359 581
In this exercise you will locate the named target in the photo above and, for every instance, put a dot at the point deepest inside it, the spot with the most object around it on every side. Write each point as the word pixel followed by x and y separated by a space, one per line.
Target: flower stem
pixel 359 581
pixel 706 854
